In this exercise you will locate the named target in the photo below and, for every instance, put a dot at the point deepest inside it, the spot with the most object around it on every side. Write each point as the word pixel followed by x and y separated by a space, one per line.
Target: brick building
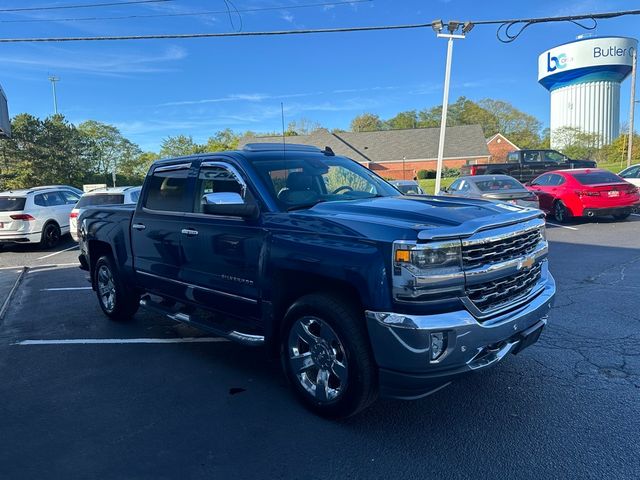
pixel 499 146
pixel 397 154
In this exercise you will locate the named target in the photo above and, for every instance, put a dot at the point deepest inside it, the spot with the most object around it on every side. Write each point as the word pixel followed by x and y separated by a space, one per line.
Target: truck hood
pixel 421 217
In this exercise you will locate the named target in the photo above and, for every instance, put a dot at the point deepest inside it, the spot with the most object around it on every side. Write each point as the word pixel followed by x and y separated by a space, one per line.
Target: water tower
pixel 584 79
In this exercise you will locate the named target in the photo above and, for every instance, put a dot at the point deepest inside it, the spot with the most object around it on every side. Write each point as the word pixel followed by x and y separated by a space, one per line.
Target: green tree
pixel 576 143
pixel 107 149
pixel 302 126
pixel 222 140
pixel 462 112
pixel 408 119
pixel 367 122
pixel 521 128
pixel 179 145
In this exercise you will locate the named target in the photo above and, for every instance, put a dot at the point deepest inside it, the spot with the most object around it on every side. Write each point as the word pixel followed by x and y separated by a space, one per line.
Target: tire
pixel 560 212
pixel 324 342
pixel 50 236
pixel 117 301
pixel 622 216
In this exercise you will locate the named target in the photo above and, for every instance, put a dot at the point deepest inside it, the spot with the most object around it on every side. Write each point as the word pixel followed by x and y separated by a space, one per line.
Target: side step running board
pixel 239 337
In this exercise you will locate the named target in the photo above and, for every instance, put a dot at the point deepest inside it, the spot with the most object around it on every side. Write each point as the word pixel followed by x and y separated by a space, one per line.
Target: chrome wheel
pixel 106 288
pixel 317 359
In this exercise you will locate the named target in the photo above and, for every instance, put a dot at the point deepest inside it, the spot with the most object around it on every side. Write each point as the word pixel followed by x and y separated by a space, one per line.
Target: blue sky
pixel 151 89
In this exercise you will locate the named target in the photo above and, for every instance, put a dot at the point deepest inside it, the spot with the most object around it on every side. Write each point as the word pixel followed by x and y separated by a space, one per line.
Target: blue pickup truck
pixel 359 290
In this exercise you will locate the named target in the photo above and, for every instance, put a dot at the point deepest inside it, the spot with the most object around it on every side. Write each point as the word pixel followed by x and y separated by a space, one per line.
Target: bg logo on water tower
pixel 556 63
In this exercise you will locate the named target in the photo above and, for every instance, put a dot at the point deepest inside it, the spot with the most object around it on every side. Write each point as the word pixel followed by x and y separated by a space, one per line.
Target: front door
pixel 221 254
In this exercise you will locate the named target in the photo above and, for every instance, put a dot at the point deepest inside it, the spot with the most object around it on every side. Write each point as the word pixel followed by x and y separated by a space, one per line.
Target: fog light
pixel 438 345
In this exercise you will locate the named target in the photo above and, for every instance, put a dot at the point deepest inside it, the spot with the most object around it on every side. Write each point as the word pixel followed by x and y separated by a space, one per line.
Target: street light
pixel 452 27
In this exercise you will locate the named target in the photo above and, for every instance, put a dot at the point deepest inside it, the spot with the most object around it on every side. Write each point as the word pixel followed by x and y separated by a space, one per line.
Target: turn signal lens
pixel 403 256
pixel 73 215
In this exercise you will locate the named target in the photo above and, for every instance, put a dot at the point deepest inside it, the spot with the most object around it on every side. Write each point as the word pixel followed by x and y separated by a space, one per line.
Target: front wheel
pixel 326 356
pixel 116 300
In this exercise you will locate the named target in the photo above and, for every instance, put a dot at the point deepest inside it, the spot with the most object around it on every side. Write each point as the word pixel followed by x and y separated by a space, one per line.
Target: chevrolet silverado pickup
pixel 359 290
pixel 525 165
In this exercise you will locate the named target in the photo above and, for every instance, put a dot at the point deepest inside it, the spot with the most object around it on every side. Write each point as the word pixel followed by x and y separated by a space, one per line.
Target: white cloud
pixel 113 64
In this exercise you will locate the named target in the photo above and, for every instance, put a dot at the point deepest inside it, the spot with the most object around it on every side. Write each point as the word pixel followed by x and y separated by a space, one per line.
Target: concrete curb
pixel 7 301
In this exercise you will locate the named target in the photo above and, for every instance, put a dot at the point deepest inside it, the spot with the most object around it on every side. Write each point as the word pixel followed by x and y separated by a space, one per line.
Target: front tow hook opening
pixel 491 354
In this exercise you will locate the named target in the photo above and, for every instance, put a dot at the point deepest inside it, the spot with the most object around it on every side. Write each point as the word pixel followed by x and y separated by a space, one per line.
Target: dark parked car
pixel 525 165
pixel 359 290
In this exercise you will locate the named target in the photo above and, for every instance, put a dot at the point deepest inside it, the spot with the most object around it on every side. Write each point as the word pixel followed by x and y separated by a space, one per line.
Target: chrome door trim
pixel 189 285
pixel 177 166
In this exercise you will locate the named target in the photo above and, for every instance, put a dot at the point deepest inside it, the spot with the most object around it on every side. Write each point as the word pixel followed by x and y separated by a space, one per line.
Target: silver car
pixel 631 174
pixel 102 196
pixel 407 187
pixel 496 188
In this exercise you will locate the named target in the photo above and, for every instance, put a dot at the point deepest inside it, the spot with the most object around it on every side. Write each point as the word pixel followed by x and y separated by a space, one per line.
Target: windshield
pixel 409 189
pixel 100 199
pixel 498 184
pixel 303 182
pixel 594 178
pixel 12 204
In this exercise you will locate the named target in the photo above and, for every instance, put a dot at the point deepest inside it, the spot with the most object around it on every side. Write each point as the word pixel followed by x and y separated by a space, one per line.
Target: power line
pixel 90 5
pixel 213 35
pixel 527 22
pixel 185 14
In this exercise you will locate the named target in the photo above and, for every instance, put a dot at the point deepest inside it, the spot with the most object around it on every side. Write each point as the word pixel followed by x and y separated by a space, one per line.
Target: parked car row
pixel 42 215
pixel 562 194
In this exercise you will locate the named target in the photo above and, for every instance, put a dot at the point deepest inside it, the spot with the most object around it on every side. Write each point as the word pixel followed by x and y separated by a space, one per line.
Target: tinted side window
pixel 168 191
pixel 455 185
pixel 556 180
pixel 135 196
pixel 70 197
pixel 633 172
pixel 39 200
pixel 542 180
pixel 513 157
pixel 531 157
pixel 219 179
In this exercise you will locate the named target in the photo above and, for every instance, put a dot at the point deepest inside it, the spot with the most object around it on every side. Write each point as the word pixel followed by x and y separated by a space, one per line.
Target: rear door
pixel 222 253
pixel 70 199
pixel 155 229
pixel 532 166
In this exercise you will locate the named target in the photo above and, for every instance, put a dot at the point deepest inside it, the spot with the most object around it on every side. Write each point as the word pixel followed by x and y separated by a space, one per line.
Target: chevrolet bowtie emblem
pixel 526 263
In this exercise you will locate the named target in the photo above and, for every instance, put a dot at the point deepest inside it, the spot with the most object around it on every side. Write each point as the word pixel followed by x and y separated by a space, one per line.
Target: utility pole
pixel 632 107
pixel 452 26
pixel 53 79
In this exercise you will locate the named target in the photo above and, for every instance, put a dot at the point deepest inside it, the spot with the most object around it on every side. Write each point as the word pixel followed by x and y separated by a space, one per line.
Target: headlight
pixel 440 258
pixel 426 272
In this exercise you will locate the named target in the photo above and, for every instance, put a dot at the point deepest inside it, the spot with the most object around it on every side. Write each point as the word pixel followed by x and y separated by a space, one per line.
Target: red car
pixel 587 192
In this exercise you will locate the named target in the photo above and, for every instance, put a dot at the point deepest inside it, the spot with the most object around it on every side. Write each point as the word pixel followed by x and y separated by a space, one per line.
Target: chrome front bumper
pixel 401 342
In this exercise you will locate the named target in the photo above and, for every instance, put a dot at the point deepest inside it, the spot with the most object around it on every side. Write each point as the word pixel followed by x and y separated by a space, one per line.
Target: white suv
pixel 102 196
pixel 36 215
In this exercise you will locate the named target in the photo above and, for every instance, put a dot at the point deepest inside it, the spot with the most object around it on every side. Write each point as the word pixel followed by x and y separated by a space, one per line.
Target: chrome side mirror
pixel 222 198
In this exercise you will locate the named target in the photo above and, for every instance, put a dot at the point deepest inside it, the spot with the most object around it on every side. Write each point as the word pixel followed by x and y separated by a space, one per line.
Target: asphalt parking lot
pixel 197 407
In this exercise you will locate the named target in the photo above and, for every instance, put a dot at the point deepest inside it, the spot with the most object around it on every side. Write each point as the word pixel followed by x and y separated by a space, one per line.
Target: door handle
pixel 138 226
pixel 189 232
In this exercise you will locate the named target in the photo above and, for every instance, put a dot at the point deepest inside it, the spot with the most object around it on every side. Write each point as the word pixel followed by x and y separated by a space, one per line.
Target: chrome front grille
pixel 495 250
pixel 495 294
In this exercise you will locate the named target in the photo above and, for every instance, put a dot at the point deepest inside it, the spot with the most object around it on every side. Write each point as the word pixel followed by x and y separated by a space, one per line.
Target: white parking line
pixel 118 341
pixel 63 289
pixel 56 253
pixel 562 226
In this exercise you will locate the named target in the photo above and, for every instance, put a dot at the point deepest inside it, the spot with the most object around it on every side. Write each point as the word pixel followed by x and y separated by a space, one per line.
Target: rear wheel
pixel 116 300
pixel 560 212
pixel 50 236
pixel 326 356
pixel 622 216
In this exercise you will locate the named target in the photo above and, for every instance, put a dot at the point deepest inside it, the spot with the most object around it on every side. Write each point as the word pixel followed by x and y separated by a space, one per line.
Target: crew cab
pixel 360 290
pixel 525 165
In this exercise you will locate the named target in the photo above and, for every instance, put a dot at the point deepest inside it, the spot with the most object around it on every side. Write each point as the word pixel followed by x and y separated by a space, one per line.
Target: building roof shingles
pixel 386 145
